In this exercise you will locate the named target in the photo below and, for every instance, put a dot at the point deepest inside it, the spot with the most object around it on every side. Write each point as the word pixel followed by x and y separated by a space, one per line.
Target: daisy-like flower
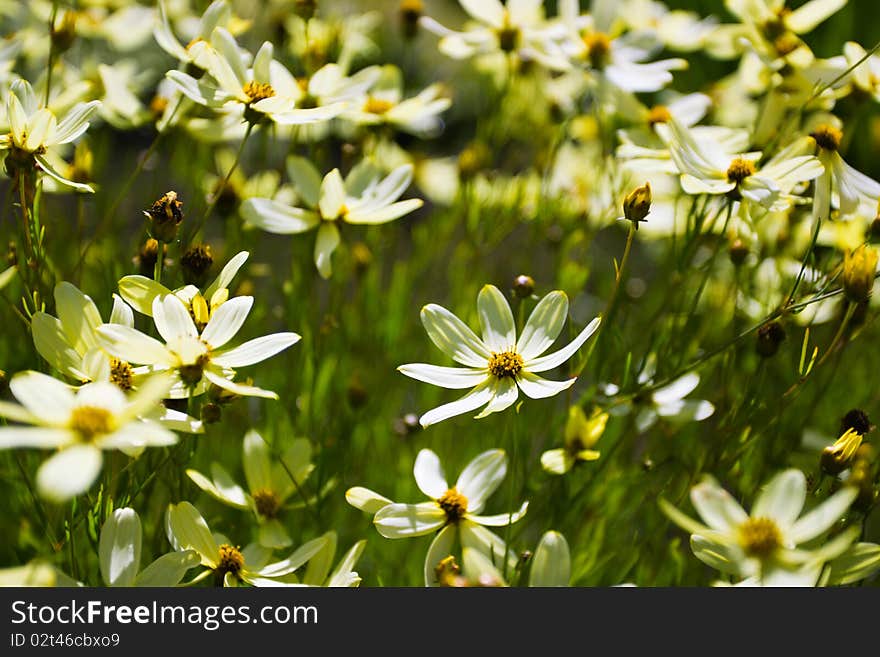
pixel 498 365
pixel 266 91
pixel 230 565
pixel 385 104
pixel 193 55
pixel 451 510
pixel 363 197
pixel 196 358
pixel 706 168
pixel 773 537
pixel 79 424
pixel 581 435
pixel 669 402
pixel 269 484
pixel 34 131
pixel 119 553
pixel 518 25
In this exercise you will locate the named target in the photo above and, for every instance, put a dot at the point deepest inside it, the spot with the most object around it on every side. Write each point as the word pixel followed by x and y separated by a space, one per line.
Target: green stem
pixel 160 258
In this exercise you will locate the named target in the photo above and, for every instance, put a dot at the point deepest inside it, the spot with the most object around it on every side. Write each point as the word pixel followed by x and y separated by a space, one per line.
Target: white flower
pixel 771 537
pixel 550 565
pixel 498 365
pixel 270 484
pixel 452 510
pixel 34 130
pixel 363 197
pixel 217 14
pixel 229 565
pixel 196 359
pixel 79 423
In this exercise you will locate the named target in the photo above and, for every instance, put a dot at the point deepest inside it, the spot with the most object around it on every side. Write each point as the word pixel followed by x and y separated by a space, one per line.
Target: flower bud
pixel 739 251
pixel 165 216
pixel 64 35
pixel 857 420
pixel 146 257
pixel 410 12
pixel 637 205
pixel 859 268
pixel 523 286
pixel 196 263
pixel 770 336
pixel 211 413
pixel 305 9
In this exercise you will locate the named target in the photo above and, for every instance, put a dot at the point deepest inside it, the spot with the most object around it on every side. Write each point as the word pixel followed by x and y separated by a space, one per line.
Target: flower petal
pixel 325 244
pixel 453 337
pixel 537 387
pixel 500 519
pixel 447 377
pixel 190 531
pixel 481 394
pixel 69 472
pixel 504 395
pixel 429 474
pixel 226 321
pixel 548 362
pixel 551 565
pixel 440 548
pixel 678 389
pixel 544 325
pixel 119 548
pixel 276 217
pixel 365 499
pixel 496 320
pixel 782 499
pixel 717 507
pixel 404 520
pixel 45 397
pixel 256 350
pixel 816 521
pixel 481 477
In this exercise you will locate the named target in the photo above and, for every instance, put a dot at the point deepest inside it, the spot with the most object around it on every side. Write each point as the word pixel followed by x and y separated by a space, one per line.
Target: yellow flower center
pixel 91 421
pixel 659 114
pixel 759 537
pixel 739 170
pixel 257 91
pixel 827 137
pixel 377 105
pixel 121 374
pixel 454 504
pixel 267 502
pixel 598 49
pixel 505 364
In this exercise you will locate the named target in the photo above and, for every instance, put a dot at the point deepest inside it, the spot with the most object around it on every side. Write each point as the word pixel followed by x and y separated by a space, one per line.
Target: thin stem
pixel 160 257
pixel 219 191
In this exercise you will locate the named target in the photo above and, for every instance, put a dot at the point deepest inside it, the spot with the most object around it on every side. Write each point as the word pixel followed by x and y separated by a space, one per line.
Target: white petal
pixel 190 531
pixel 122 312
pixel 78 315
pixel 75 122
pixel 480 395
pixel 69 472
pixel 404 520
pixel 500 519
pixel 325 244
pixel 504 395
pixel 230 269
pixel 140 291
pixel 493 546
pixel 172 318
pixel 276 217
pixel 384 214
pixel 168 569
pixel 39 437
pixel 716 507
pixel 487 11
pixel 256 459
pixel 429 474
pixel 47 398
pixel 226 321
pixel 256 350
pixel 365 499
pixel 481 477
pixel 305 178
pixel 234 496
pixel 453 337
pixel 551 565
pixel 238 388
pixel 119 548
pixel 332 197
pixel 537 387
pixel 678 389
pixel 548 362
pixel 52 343
pixel 446 377
pixel 440 548
pixel 496 320
pixel 819 519
pixel 543 326
pixel 782 499
pixel 300 556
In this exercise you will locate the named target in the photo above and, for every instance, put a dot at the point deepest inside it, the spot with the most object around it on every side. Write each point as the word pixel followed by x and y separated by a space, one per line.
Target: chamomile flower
pixel 270 484
pixel 265 91
pixel 194 54
pixel 196 358
pixel 119 553
pixel 35 131
pixel 454 511
pixel 363 197
pixel 773 537
pixel 79 424
pixel 498 365
pixel 227 563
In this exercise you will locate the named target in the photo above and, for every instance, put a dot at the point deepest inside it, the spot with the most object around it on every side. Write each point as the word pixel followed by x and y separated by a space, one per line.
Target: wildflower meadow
pixel 457 293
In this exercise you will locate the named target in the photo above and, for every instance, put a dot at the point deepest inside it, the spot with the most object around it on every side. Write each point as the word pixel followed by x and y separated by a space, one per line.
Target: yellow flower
pixel 859 268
